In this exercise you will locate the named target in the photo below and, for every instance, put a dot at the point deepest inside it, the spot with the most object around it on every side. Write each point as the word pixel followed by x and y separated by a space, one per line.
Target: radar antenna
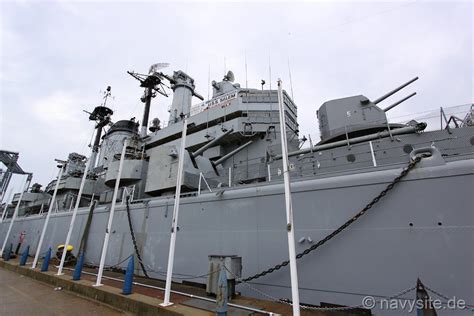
pixel 229 77
pixel 101 115
pixel 153 83
pixel 158 66
pixel 107 94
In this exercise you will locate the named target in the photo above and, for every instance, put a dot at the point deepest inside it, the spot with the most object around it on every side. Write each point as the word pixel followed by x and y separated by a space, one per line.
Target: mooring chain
pixel 311 307
pixel 132 233
pixel 469 306
pixel 389 187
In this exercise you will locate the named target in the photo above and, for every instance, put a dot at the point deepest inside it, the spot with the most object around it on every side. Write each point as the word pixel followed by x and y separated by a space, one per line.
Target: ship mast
pixel 153 82
pixel 101 115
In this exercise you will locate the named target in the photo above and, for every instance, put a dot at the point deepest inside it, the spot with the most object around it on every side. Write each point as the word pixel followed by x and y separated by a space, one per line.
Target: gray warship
pixel 351 239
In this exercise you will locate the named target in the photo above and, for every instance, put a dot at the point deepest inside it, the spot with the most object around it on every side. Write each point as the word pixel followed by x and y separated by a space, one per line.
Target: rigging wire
pixel 291 81
pixel 208 81
pixel 270 70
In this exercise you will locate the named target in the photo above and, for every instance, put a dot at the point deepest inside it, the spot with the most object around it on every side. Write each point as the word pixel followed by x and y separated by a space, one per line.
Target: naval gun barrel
pixel 398 102
pixel 395 90
pixel 399 131
pixel 211 143
pixel 233 152
pixel 197 95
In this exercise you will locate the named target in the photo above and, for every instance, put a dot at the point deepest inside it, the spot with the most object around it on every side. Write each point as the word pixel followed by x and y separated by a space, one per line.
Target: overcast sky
pixel 57 56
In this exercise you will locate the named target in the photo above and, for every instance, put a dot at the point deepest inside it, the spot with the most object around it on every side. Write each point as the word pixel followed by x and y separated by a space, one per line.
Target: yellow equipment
pixel 69 255
pixel 69 247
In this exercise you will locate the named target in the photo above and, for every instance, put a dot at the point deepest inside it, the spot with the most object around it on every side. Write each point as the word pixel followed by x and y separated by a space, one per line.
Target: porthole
pixel 407 148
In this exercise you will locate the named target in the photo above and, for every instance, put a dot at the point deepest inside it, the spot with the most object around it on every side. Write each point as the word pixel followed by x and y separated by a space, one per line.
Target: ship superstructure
pixel 232 192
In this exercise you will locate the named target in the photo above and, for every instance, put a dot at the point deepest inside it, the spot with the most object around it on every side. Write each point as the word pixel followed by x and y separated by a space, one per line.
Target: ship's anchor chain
pixel 389 187
pixel 132 233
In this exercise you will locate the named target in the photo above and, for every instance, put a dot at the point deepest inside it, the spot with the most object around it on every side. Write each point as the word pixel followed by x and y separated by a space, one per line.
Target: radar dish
pixel 157 66
pixel 230 76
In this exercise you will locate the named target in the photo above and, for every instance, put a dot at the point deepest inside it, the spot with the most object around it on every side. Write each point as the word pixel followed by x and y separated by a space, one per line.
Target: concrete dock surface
pixel 22 296
pixel 26 291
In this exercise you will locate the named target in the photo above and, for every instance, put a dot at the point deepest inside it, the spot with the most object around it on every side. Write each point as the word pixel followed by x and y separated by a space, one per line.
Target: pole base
pixel 97 285
pixel 166 304
pixel 59 273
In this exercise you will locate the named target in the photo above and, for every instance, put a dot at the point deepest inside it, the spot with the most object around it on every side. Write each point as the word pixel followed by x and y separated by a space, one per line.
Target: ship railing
pixel 362 156
pixel 432 117
pixel 41 211
pixel 203 178
pixel 469 117
pixel 454 119
pixel 256 117
pixel 128 192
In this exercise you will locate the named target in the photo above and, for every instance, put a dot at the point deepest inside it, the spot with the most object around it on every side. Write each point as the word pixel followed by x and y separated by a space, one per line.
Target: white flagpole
pixel 50 210
pixel 174 223
pixel 7 202
pixel 15 214
pixel 111 217
pixel 289 207
pixel 73 218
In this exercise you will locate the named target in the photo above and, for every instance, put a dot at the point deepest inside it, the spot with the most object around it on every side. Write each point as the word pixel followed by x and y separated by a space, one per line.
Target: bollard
pixel 7 253
pixel 128 282
pixel 78 269
pixel 221 297
pixel 45 265
pixel 24 256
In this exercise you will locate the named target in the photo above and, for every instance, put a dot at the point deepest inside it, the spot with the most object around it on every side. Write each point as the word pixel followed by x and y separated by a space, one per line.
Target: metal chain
pixel 309 307
pixel 115 266
pixel 437 293
pixel 191 277
pixel 401 293
pixel 342 308
pixel 389 187
pixel 471 307
pixel 132 233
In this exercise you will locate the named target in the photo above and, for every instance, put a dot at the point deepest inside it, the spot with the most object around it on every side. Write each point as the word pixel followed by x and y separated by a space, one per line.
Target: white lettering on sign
pixel 221 101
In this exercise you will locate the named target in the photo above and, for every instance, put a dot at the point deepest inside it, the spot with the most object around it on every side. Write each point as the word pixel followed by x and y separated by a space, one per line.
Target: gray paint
pixel 379 254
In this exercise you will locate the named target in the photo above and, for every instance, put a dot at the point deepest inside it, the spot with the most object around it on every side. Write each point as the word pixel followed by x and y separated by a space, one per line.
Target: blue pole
pixel 45 265
pixel 222 293
pixel 24 256
pixel 128 282
pixel 7 253
pixel 78 269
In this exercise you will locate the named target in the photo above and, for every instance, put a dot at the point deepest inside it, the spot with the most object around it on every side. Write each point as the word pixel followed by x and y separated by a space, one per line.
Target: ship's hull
pixel 423 228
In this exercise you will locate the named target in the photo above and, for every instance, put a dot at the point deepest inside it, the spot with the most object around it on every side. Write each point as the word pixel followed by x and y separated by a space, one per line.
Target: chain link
pixel 308 307
pixel 437 293
pixel 342 308
pixel 132 233
pixel 471 307
pixel 389 187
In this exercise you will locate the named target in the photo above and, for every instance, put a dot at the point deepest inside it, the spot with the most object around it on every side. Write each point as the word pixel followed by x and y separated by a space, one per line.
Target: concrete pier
pixel 22 294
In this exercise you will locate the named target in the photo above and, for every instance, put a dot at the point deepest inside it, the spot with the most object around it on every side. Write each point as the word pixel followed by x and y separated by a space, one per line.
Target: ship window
pixel 351 158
